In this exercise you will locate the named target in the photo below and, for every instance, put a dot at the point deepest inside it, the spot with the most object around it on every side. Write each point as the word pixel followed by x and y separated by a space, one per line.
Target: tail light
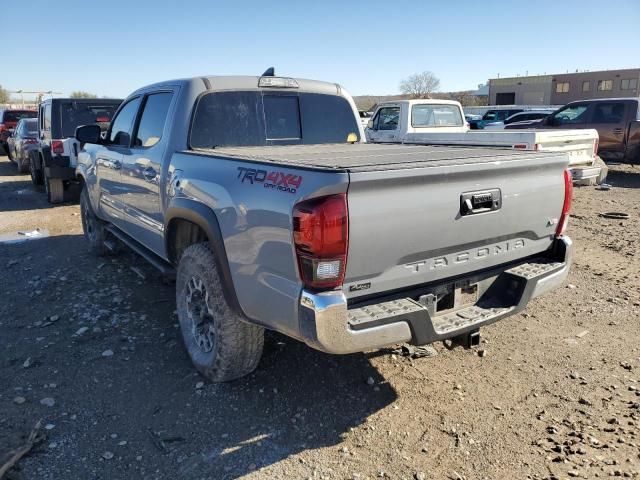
pixel 57 146
pixel 102 119
pixel 566 207
pixel 320 234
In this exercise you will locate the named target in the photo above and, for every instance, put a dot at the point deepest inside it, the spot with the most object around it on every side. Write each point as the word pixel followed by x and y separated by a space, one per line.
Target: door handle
pixel 149 173
pixel 618 131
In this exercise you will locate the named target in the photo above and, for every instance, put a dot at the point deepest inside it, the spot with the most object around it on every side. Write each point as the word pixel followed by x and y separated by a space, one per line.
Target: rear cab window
pixel 258 118
pixel 17 115
pixel 429 115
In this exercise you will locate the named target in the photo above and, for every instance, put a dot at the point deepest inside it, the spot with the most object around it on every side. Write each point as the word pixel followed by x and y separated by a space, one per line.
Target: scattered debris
pixel 199 385
pixel 107 353
pixel 582 333
pixel 615 215
pixel 412 351
pixel 370 381
pixel 19 400
pixel 26 363
pixel 48 401
pixel 107 455
pixel 33 439
pixel 138 272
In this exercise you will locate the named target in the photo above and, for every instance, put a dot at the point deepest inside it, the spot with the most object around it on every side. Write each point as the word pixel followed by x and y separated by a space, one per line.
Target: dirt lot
pixel 92 349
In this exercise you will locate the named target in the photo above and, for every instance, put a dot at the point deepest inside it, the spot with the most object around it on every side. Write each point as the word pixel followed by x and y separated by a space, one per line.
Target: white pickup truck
pixel 441 122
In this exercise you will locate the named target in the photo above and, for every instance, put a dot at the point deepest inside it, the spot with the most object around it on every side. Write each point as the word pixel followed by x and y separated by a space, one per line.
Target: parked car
pixel 393 120
pixel 494 115
pixel 519 117
pixel 54 162
pixel 283 220
pixel 8 121
pixel 617 121
pixel 364 117
pixel 23 140
pixel 472 117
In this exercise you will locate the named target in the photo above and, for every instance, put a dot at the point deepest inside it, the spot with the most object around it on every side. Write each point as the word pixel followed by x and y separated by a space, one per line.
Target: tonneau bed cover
pixel 369 157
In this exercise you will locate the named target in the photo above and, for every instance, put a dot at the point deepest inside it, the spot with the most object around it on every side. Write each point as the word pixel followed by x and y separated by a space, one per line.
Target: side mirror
pixel 370 124
pixel 88 134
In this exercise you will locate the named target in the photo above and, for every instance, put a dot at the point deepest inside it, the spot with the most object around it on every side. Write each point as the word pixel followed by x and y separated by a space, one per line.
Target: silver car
pixel 23 139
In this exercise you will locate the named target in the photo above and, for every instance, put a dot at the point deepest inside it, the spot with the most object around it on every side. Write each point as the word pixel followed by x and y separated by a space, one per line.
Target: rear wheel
pixel 93 228
pixel 11 157
pixel 36 174
pixel 222 346
pixel 55 190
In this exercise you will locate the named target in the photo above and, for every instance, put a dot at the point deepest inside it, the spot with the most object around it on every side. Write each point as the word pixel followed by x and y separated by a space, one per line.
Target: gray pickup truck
pixel 259 195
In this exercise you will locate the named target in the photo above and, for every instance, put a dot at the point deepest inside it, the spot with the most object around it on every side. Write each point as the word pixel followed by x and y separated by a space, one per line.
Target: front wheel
pixel 222 346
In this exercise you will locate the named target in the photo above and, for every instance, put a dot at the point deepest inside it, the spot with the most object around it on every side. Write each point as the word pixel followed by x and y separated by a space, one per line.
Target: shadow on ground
pixel 146 393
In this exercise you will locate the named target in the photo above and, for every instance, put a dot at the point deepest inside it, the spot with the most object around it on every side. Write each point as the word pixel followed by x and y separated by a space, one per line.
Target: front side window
pixel 122 125
pixel 562 87
pixel 608 113
pixel 586 86
pixel 154 116
pixel 628 84
pixel 435 116
pixel 605 85
pixel 573 115
pixel 387 118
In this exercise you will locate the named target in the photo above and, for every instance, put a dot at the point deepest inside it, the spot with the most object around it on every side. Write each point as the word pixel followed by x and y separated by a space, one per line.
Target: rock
pixel 482 353
pixel 27 363
pixel 584 401
pixel 199 385
pixel 107 353
pixel 344 450
pixel 573 473
pixel 122 443
pixel 420 476
pixel 49 426
pixel 139 457
pixel 574 375
pixel 571 286
pixel 81 331
pixel 19 400
pixel 107 455
pixel 370 381
pixel 48 401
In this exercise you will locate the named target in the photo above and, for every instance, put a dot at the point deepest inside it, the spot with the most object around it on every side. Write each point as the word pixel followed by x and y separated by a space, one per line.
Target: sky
pixel 112 47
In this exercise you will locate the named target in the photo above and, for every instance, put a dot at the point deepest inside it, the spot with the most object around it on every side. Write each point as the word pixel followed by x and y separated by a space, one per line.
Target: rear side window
pixel 123 123
pixel 608 113
pixel 435 116
pixel 256 118
pixel 47 117
pixel 76 114
pixel 153 119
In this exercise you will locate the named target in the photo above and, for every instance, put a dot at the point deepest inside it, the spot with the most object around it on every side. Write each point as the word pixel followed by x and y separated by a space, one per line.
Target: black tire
pixel 36 174
pixel 94 229
pixel 222 346
pixel 23 165
pixel 55 190
pixel 8 150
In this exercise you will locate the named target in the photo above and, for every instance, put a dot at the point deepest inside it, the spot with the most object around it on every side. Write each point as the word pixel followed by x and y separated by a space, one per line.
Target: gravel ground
pixel 91 348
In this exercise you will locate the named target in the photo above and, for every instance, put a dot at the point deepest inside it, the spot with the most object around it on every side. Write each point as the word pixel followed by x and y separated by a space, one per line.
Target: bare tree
pixel 420 85
pixel 81 94
pixel 4 95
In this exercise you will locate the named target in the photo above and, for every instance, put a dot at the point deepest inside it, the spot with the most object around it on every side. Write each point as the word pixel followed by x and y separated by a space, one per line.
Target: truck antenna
pixel 269 72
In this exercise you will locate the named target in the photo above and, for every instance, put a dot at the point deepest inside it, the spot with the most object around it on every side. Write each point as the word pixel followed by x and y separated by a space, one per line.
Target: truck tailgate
pixel 412 226
pixel 579 145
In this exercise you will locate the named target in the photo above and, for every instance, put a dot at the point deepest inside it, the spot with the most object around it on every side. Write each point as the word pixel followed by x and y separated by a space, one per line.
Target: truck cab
pixel 392 121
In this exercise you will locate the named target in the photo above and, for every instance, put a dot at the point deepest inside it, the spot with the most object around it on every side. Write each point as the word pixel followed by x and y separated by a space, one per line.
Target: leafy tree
pixel 420 85
pixel 4 95
pixel 81 94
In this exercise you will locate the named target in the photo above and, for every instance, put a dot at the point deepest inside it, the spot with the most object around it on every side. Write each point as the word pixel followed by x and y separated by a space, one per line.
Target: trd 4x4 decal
pixel 285 182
